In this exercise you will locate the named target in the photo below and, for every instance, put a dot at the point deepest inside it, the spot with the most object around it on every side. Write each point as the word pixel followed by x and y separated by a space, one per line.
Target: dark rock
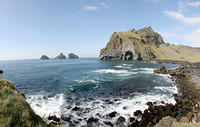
pixel 138 113
pixel 54 118
pixel 109 123
pixel 64 118
pixel 131 119
pixel 149 104
pixel 161 70
pixel 1 71
pixel 44 57
pixel 121 120
pixel 76 108
pixel 53 123
pixel 112 114
pixel 72 56
pixel 61 56
pixel 92 120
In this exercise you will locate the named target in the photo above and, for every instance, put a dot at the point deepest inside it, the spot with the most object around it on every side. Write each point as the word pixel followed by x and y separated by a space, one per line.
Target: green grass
pixel 14 110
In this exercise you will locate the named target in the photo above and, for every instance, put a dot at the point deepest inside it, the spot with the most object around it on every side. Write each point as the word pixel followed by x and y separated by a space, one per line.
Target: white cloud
pixel 193 4
pixel 90 8
pixel 104 5
pixel 193 38
pixel 193 20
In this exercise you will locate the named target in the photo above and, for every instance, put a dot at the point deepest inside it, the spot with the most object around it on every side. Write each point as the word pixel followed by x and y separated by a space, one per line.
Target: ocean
pixel 55 87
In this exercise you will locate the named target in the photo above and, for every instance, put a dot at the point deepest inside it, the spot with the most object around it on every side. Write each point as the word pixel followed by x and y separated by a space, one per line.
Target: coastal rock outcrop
pixel 44 57
pixel 14 110
pixel 61 56
pixel 144 44
pixel 72 56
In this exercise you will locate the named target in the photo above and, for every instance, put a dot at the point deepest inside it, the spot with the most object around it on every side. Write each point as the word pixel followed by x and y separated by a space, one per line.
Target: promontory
pixel 145 44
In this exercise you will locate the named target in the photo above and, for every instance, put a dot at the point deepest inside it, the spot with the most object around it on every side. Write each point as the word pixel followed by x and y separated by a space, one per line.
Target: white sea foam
pixel 122 67
pixel 113 71
pixel 84 81
pixel 124 107
pixel 45 106
pixel 171 89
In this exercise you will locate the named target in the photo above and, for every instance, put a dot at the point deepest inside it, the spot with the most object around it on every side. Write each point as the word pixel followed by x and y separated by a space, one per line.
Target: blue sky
pixel 30 28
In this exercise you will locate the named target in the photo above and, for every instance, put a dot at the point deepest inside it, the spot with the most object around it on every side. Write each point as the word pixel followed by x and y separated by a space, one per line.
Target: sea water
pixel 55 87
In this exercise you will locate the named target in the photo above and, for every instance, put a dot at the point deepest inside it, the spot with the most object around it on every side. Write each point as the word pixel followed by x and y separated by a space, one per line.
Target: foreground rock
pixel 61 56
pixel 44 57
pixel 145 44
pixel 1 71
pixel 72 56
pixel 14 110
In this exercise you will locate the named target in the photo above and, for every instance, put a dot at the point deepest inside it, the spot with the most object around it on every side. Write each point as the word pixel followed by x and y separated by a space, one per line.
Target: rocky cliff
pixel 145 44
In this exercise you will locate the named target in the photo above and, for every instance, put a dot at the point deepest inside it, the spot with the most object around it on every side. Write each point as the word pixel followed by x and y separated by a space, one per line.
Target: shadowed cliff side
pixel 145 44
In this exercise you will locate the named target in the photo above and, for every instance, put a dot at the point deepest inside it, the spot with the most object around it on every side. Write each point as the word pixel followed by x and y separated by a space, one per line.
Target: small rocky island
pixel 145 44
pixel 72 56
pixel 61 56
pixel 44 57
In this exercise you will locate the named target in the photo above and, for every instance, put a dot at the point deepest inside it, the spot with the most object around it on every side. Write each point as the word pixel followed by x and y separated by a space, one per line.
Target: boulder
pixel 112 114
pixel 138 113
pixel 61 56
pixel 161 70
pixel 44 57
pixel 54 118
pixel 121 120
pixel 1 71
pixel 72 56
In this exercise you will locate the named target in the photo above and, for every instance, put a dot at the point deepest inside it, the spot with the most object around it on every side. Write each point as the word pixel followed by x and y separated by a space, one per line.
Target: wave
pixel 171 89
pixel 113 71
pixel 45 106
pixel 85 81
pixel 122 67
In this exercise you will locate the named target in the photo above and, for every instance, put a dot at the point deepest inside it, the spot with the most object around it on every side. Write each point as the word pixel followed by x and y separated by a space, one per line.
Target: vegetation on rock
pixel 61 56
pixel 145 44
pixel 14 110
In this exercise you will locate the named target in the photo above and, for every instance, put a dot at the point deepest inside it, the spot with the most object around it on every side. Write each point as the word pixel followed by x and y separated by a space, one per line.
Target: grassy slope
pixel 164 51
pixel 14 110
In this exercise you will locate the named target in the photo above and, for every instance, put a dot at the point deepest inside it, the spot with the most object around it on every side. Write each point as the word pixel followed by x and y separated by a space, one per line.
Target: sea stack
pixel 145 44
pixel 73 56
pixel 61 56
pixel 44 57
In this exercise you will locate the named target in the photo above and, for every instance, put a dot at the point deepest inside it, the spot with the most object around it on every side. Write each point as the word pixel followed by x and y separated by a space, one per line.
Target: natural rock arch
pixel 128 55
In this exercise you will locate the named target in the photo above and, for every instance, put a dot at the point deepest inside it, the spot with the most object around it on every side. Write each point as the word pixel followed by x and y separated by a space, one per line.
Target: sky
pixel 31 28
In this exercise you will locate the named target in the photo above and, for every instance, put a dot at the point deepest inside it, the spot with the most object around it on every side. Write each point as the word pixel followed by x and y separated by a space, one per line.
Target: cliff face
pixel 145 44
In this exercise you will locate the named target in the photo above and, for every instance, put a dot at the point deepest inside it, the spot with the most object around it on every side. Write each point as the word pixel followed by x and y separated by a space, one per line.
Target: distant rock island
pixel 145 44
pixel 61 56
pixel 1 71
pixel 44 57
pixel 72 56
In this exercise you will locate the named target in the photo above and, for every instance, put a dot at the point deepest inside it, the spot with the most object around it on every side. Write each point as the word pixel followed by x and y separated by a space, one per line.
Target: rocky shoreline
pixel 186 111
